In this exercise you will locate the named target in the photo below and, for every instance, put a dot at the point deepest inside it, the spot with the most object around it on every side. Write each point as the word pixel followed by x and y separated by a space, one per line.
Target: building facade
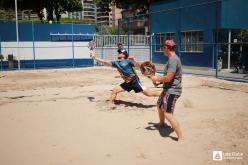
pixel 201 28
pixel 88 12
pixel 94 14
pixel 134 23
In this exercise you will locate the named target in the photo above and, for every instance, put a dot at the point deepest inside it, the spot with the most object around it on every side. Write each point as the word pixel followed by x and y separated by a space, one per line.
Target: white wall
pixel 46 50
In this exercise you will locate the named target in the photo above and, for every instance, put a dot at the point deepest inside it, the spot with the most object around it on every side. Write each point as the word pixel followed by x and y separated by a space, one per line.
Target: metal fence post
pixel 1 56
pixel 216 61
pixel 72 38
pixel 33 44
pixel 102 48
pixel 213 50
pixel 128 35
pixel 151 38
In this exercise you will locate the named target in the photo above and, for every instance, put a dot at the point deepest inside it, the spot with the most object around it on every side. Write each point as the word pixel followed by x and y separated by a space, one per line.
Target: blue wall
pixel 41 31
pixel 54 63
pixel 186 15
pixel 234 14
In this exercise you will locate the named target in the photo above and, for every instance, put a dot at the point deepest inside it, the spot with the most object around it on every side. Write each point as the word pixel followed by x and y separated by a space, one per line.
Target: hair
pixel 171 48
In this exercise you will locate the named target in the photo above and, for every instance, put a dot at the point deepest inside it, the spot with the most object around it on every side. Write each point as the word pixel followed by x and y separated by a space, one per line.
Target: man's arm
pixel 105 62
pixel 164 79
pixel 172 67
pixel 136 63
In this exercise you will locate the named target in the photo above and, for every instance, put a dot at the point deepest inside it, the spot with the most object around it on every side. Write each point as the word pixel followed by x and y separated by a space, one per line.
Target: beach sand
pixel 61 117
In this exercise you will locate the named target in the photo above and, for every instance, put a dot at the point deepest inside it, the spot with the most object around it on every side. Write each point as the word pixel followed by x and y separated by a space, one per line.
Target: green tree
pixel 134 5
pixel 244 35
pixel 7 14
pixel 244 39
pixel 52 6
pixel 104 29
pixel 61 6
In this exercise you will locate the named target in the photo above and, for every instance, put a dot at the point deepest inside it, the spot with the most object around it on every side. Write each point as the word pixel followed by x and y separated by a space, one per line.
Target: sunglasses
pixel 119 58
pixel 163 47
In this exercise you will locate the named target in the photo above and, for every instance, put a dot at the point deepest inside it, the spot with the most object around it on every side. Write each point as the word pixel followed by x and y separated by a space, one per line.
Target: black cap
pixel 124 51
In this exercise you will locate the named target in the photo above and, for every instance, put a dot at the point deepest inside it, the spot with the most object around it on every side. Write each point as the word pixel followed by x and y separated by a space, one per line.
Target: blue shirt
pixel 125 67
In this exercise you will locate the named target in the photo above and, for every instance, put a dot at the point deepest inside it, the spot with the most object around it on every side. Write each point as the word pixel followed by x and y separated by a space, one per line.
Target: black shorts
pixel 133 85
pixel 167 101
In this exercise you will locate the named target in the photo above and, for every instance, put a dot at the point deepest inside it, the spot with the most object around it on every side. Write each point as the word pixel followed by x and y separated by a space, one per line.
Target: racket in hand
pixel 92 45
pixel 147 68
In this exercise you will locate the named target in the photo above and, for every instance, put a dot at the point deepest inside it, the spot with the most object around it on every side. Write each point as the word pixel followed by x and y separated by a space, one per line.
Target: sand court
pixel 61 117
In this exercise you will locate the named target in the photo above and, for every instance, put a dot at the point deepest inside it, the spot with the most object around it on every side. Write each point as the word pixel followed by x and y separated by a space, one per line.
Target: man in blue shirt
pixel 128 74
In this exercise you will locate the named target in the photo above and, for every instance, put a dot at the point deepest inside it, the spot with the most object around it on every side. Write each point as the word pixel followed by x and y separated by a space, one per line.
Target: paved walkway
pixel 204 71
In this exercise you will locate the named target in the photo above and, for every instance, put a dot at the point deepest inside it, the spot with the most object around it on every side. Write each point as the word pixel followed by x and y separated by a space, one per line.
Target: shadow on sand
pixel 164 131
pixel 131 104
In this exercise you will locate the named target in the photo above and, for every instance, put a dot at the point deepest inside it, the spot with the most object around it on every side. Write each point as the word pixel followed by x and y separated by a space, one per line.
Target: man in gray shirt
pixel 172 87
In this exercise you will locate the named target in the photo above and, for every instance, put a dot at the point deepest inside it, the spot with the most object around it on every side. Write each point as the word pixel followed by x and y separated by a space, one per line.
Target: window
pixel 192 41
pixel 161 37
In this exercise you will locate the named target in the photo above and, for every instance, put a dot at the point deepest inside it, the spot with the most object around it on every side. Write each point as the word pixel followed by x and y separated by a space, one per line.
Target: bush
pixel 1 57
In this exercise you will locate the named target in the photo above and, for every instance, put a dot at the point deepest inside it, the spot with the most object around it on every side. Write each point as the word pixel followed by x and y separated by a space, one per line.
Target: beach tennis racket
pixel 147 68
pixel 92 45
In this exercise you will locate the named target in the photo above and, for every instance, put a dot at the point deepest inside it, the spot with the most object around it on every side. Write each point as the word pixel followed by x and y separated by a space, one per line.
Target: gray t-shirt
pixel 175 86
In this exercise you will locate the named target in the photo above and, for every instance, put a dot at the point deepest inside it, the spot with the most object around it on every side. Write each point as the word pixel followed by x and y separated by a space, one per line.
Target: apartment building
pixel 93 13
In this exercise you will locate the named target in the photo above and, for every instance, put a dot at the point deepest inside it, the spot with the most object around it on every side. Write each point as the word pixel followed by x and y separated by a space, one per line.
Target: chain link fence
pixel 225 58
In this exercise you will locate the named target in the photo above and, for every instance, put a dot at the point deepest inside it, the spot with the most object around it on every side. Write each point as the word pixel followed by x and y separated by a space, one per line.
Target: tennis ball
pixel 50 21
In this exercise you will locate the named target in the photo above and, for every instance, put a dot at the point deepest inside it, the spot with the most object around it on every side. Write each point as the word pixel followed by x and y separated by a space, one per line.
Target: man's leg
pixel 115 91
pixel 137 87
pixel 161 117
pixel 175 124
pixel 151 93
pixel 167 102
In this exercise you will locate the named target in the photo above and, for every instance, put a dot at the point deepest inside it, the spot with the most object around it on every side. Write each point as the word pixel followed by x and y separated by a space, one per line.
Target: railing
pixel 112 40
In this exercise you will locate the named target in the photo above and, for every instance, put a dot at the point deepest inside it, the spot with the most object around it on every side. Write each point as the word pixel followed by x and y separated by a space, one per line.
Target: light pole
pixel 17 36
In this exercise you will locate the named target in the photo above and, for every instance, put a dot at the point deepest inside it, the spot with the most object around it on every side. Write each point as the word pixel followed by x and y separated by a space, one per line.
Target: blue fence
pixel 45 45
pixel 57 50
pixel 207 41
pixel 40 31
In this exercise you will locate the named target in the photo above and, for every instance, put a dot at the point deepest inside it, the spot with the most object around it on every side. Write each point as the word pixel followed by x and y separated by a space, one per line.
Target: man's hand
pixel 153 78
pixel 92 54
pixel 164 79
pixel 131 58
pixel 156 83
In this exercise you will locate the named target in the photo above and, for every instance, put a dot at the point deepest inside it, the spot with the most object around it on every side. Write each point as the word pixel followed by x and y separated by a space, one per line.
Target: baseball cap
pixel 124 51
pixel 169 43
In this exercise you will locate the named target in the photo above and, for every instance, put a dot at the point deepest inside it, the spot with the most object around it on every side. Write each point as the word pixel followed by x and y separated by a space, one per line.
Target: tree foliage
pixel 244 39
pixel 134 5
pixel 244 35
pixel 104 29
pixel 56 7
pixel 7 14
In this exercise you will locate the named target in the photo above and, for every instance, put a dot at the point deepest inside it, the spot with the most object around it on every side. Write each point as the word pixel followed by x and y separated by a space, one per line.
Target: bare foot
pixel 111 102
pixel 180 139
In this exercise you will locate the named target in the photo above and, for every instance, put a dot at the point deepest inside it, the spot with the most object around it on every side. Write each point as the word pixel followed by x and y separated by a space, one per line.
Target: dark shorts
pixel 167 101
pixel 133 85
